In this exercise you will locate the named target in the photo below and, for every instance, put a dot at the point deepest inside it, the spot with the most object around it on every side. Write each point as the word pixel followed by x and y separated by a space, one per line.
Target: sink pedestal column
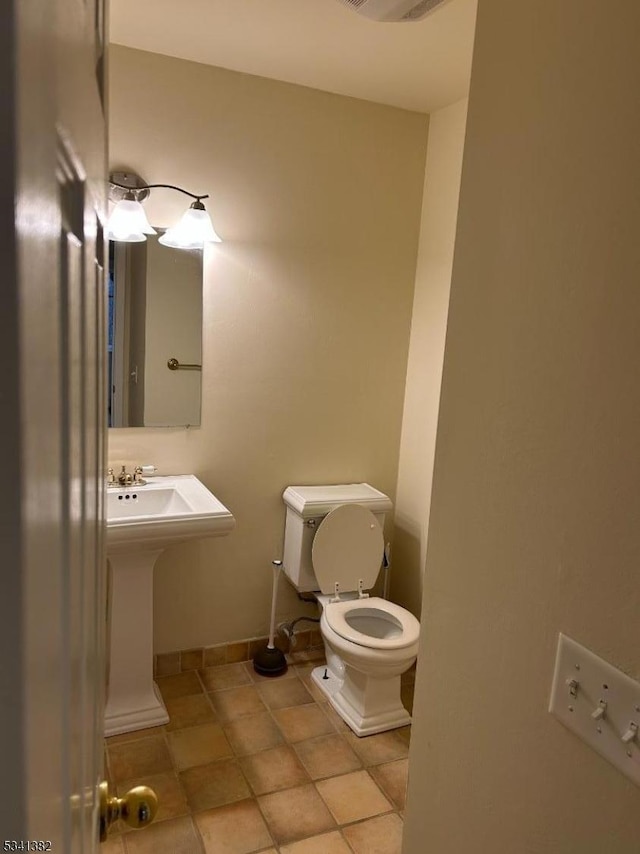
pixel 133 699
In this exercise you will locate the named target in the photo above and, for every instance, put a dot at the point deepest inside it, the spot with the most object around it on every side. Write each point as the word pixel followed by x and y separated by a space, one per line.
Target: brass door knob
pixel 137 808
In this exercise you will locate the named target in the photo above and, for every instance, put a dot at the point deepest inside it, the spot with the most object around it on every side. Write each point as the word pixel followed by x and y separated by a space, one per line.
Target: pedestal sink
pixel 141 522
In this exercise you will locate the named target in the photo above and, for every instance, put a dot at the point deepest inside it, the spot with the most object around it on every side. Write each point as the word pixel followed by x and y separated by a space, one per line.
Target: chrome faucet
pixel 125 478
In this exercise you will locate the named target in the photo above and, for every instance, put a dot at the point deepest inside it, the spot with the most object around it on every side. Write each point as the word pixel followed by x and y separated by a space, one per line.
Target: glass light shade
pixel 128 223
pixel 192 232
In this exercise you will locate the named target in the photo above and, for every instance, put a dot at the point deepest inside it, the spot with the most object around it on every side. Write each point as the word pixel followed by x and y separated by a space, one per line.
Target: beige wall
pixel 307 309
pixel 534 519
pixel 426 351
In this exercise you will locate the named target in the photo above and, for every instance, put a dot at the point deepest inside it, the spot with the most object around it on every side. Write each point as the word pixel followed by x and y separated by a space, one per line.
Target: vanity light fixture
pixel 128 221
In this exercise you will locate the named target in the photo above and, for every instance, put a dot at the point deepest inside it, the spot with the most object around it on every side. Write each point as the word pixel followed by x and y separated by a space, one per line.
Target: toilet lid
pixel 347 548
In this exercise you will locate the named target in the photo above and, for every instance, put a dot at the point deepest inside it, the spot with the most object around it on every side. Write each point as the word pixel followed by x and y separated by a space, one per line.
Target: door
pixel 52 318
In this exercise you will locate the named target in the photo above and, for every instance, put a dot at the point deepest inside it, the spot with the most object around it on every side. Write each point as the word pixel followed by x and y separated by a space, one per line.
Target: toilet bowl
pixel 369 642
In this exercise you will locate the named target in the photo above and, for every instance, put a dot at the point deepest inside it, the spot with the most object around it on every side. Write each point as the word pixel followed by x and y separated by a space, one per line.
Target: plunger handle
pixel 277 566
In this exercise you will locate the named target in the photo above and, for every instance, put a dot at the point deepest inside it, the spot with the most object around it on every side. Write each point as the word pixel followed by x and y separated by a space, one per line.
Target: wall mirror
pixel 154 335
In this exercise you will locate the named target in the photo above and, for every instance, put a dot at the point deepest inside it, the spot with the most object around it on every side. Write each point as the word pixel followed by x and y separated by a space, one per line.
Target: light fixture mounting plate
pixel 131 181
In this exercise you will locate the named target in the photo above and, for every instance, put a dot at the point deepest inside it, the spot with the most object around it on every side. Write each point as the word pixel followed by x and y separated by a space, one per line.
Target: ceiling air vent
pixel 393 10
pixel 421 9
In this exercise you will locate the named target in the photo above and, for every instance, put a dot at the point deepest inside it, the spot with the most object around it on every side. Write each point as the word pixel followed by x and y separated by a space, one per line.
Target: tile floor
pixel 252 764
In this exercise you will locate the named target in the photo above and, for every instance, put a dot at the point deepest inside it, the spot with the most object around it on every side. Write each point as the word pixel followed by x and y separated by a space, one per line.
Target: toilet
pixel 333 547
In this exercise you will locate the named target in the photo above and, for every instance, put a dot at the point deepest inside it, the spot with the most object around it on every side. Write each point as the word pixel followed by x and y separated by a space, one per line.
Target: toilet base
pixel 366 705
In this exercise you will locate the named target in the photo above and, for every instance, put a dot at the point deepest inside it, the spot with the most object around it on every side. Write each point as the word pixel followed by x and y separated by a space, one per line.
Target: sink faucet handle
pixel 139 471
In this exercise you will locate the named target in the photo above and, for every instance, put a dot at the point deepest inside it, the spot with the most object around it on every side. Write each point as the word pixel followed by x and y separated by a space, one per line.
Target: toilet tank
pixel 306 508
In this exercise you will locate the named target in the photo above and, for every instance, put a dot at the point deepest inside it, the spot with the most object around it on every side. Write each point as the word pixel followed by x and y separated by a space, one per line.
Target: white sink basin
pixel 166 510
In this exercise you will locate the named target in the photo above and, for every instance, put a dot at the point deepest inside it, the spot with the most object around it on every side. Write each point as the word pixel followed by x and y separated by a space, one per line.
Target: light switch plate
pixel 599 703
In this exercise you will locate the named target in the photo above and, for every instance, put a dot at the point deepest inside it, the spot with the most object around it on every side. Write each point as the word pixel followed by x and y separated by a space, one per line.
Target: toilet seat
pixel 348 617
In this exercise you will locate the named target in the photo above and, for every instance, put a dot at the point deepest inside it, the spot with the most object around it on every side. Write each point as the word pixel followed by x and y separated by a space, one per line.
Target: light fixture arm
pixel 159 186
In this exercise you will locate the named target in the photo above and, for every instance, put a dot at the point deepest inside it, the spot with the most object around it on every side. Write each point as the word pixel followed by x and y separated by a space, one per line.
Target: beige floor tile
pixel 224 676
pixel 237 702
pixel 180 685
pixel 335 718
pixel 381 835
pixel 295 814
pixel 198 745
pixel 327 756
pixel 253 733
pixel 280 695
pixel 353 797
pixel 376 749
pixel 189 711
pixel 139 758
pixel 214 785
pixel 135 735
pixel 304 668
pixel 290 673
pixel 117 827
pixel 115 845
pixel 171 798
pixel 234 829
pixel 300 722
pixel 273 770
pixel 315 692
pixel 392 779
pixel 404 733
pixel 178 836
pixel 328 843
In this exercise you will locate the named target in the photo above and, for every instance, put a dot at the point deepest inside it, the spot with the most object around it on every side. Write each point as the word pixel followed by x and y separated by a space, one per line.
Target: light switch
pixel 599 703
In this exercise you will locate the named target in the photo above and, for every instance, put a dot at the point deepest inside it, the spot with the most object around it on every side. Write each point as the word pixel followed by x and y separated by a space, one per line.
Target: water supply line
pixel 287 628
